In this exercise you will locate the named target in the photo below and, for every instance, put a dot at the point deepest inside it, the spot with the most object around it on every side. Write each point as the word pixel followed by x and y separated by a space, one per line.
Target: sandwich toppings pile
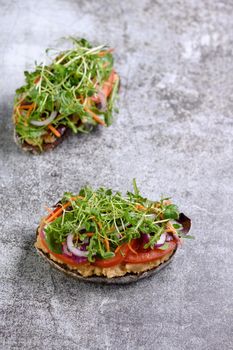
pixel 101 232
pixel 76 91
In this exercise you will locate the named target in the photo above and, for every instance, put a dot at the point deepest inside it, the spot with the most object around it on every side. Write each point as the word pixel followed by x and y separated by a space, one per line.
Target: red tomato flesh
pixel 149 255
pixel 117 259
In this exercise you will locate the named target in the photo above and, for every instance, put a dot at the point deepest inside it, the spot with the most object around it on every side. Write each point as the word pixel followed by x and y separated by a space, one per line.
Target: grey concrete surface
pixel 174 133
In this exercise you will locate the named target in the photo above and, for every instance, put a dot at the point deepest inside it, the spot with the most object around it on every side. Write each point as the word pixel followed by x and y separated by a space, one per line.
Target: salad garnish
pixel 102 224
pixel 76 90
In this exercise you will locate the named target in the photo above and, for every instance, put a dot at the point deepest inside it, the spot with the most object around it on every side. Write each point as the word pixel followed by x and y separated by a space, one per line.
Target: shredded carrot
pixel 37 80
pixel 95 116
pixel 54 131
pixel 90 234
pixel 98 223
pixel 118 249
pixel 132 250
pixel 105 52
pixel 58 211
pixel 30 106
pixel 25 107
pixel 107 85
pixel 81 99
pixel 140 207
pixel 106 242
pixel 76 197
pixel 30 111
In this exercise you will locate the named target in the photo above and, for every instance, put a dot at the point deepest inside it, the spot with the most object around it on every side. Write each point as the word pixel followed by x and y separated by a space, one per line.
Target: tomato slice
pixel 149 255
pixel 63 258
pixel 117 259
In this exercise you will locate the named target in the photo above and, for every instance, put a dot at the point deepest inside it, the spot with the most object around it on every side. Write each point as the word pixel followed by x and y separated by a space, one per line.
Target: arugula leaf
pixel 177 226
pixel 171 212
pixel 51 240
pixel 164 246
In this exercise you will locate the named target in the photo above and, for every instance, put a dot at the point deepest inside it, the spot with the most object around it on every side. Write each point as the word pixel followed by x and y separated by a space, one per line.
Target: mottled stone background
pixel 174 133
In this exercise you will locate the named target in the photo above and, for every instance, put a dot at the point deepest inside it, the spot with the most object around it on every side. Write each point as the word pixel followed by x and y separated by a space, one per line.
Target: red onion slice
pixel 145 238
pixel 100 98
pixel 185 222
pixel 169 237
pixel 79 259
pixel 161 241
pixel 73 249
pixel 103 100
pixel 46 121
pixel 65 251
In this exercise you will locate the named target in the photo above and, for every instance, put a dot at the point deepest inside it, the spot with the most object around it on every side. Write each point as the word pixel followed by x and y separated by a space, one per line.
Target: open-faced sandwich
pixel 99 235
pixel 76 91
